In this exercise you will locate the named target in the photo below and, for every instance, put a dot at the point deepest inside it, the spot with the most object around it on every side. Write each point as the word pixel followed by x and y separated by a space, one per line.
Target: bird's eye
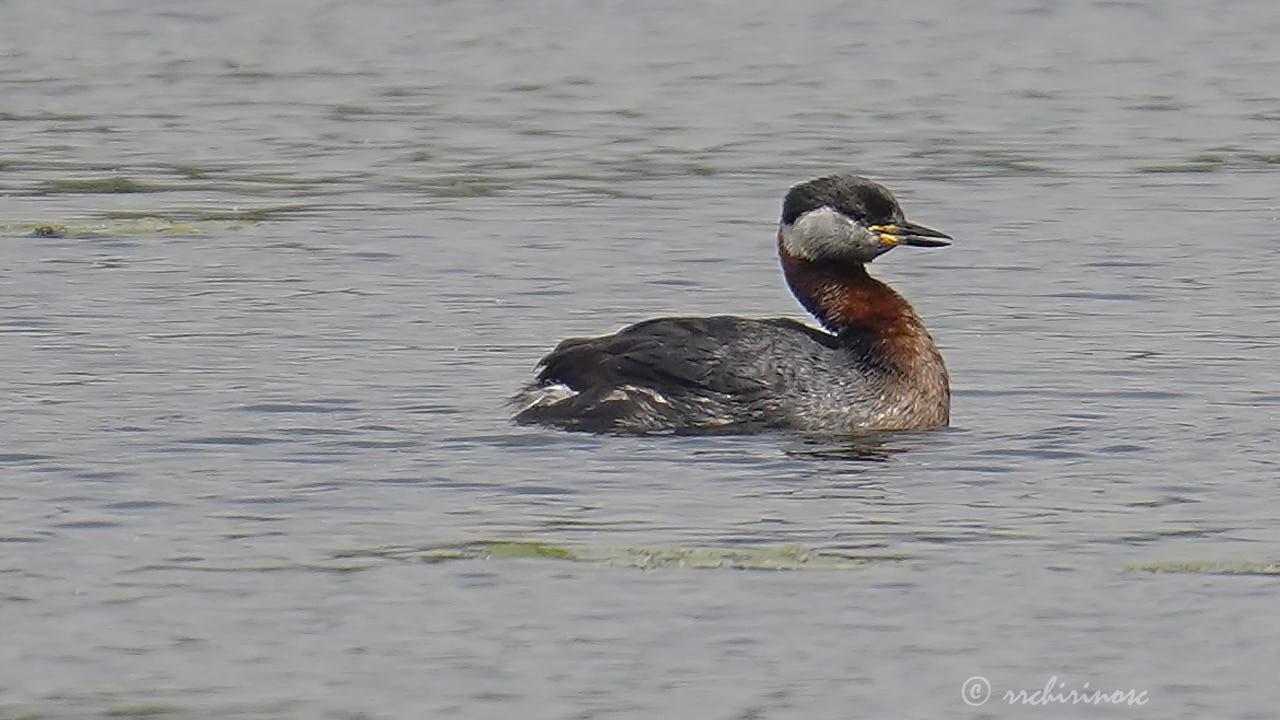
pixel 855 215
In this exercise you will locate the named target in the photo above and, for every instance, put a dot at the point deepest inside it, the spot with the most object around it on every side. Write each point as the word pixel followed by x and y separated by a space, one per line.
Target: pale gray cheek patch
pixel 820 233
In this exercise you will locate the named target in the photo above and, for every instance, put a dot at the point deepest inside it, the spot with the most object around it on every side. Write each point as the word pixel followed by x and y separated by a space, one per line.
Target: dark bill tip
pixel 920 232
pixel 909 233
pixel 926 240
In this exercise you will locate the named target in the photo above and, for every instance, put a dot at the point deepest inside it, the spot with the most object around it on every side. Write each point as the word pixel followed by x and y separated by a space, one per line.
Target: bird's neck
pixel 846 299
pixel 862 310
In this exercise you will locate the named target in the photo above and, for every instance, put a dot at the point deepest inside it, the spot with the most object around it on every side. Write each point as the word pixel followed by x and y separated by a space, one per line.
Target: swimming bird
pixel 872 365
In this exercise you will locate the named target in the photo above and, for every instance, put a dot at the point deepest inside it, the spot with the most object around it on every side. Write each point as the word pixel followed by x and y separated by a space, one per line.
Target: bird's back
pixel 709 374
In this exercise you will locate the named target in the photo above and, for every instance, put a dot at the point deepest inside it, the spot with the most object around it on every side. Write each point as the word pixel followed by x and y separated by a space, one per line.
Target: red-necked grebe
pixel 875 367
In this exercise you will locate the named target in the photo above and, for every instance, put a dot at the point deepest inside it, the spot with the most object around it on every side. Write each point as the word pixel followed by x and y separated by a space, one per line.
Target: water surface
pixel 271 271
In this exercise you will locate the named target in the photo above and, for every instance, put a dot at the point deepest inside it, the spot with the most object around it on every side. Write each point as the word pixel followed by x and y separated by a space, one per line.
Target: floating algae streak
pixel 113 184
pixel 764 558
pixel 179 221
pixel 106 228
pixel 1243 567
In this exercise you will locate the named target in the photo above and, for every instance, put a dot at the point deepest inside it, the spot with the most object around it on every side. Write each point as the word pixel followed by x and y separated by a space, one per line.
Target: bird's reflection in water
pixel 862 447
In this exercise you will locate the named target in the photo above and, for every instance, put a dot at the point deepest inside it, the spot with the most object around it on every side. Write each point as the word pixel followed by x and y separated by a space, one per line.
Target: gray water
pixel 271 270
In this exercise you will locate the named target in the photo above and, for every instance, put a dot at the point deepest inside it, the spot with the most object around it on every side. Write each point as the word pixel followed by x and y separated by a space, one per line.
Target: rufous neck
pixel 848 301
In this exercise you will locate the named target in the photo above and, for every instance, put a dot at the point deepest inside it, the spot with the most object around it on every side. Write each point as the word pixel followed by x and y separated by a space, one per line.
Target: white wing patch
pixel 653 395
pixel 559 392
pixel 545 396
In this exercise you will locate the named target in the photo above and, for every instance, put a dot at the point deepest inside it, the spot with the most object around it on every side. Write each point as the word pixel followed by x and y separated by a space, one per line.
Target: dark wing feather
pixel 722 355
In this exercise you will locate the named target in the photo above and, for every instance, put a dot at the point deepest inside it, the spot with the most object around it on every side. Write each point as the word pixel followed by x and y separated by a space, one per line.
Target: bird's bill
pixel 909 233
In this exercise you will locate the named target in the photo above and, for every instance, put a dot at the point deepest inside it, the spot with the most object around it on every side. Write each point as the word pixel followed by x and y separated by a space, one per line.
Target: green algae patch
pixel 1215 159
pixel 49 231
pixel 1006 160
pixel 522 550
pixel 106 185
pixel 766 558
pixel 493 550
pixel 250 215
pixel 785 557
pixel 951 158
pixel 181 221
pixel 1211 567
pixel 1198 164
pixel 456 186
pixel 142 711
pixel 104 228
